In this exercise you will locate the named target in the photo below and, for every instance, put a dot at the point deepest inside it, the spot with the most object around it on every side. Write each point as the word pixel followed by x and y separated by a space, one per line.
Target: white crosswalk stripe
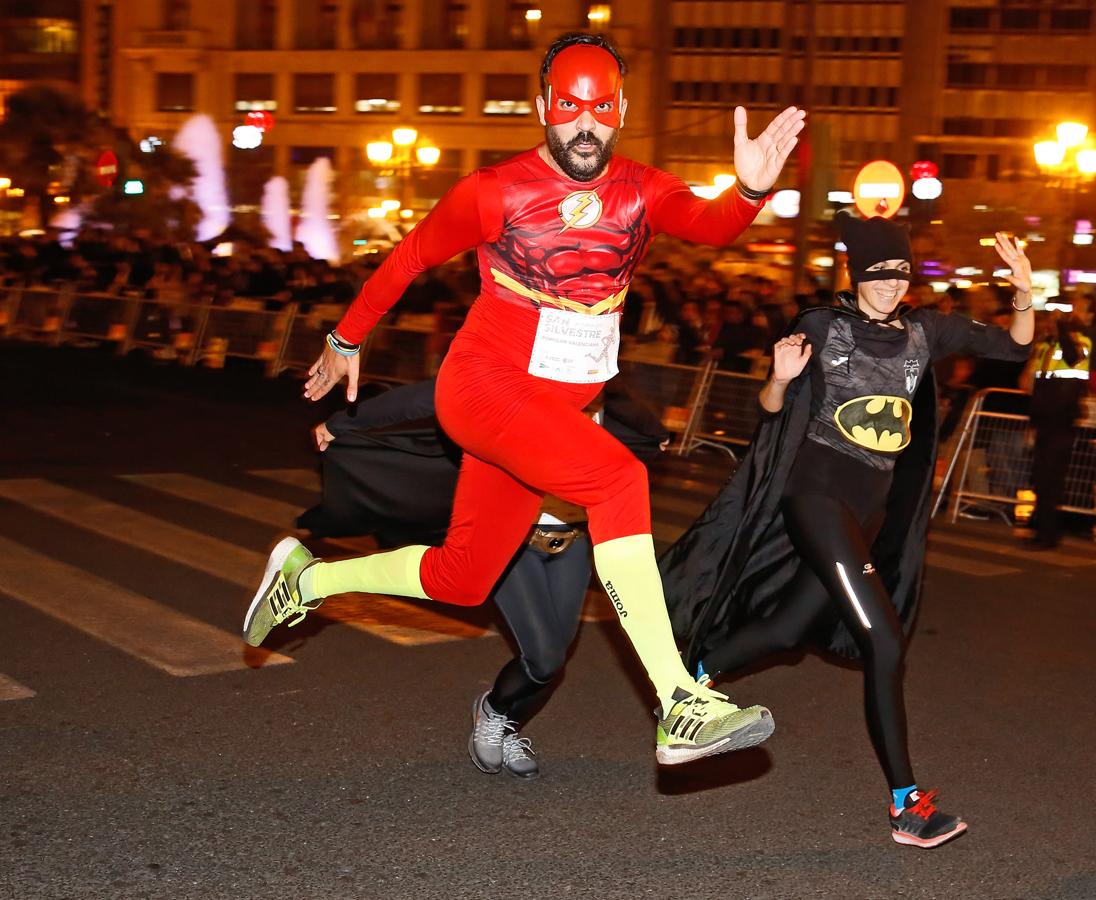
pixel 222 497
pixel 166 539
pixel 10 689
pixel 301 478
pixel 154 633
pixel 183 646
pixel 393 620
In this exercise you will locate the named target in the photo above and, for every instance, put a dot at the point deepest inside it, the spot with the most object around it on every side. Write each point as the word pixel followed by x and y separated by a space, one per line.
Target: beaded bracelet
pixel 343 348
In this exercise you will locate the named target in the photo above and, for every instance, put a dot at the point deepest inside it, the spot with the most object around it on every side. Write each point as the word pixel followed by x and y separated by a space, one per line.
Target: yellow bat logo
pixel 580 209
pixel 876 422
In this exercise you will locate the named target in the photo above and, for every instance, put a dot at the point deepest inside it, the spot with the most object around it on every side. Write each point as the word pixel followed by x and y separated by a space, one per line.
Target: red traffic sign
pixel 106 168
pixel 879 189
pixel 923 169
pixel 260 118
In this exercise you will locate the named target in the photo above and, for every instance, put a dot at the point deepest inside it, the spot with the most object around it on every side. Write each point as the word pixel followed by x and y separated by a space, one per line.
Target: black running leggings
pixel 540 596
pixel 835 568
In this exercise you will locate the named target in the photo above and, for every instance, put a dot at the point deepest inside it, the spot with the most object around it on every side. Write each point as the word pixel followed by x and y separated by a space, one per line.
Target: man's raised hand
pixel 758 161
pixel 329 370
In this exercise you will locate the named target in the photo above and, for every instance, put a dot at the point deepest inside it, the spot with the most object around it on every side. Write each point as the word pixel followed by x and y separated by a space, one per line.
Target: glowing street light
pixel 1086 162
pixel 390 205
pixel 1049 153
pixel 5 183
pixel 379 151
pixel 724 181
pixel 785 204
pixel 401 156
pixel 1071 134
pixel 427 155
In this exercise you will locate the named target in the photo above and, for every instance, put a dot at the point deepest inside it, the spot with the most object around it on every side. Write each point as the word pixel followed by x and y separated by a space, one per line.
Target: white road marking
pixel 10 689
pixel 152 632
pixel 222 497
pixel 309 479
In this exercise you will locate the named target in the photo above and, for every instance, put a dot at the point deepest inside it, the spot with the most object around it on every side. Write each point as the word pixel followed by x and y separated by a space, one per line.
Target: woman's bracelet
pixel 343 348
pixel 1023 308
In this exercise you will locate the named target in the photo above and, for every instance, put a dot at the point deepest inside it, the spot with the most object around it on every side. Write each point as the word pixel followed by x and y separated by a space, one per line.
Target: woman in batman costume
pixel 819 537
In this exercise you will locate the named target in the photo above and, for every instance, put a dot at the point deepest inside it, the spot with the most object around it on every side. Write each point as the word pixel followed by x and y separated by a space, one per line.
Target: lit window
pixel 377 92
pixel 440 94
pixel 255 91
pixel 599 14
pixel 506 95
pixel 314 93
pixel 174 91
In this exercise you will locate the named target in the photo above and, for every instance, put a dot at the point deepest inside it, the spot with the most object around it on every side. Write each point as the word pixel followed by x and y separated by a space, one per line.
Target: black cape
pixel 735 561
pixel 392 471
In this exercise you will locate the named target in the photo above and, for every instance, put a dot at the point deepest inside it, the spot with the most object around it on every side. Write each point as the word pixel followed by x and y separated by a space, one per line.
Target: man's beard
pixel 581 166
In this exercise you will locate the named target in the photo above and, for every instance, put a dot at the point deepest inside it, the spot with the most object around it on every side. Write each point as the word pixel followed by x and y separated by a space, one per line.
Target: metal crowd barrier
pixel 699 405
pixel 991 463
pixel 729 414
pixel 36 315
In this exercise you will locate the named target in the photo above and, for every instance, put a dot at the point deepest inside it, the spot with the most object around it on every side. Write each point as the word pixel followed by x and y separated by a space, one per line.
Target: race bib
pixel 575 348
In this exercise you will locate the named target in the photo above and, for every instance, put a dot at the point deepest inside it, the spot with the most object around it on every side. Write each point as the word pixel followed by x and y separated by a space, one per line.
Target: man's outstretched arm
pixel 469 215
pixel 675 210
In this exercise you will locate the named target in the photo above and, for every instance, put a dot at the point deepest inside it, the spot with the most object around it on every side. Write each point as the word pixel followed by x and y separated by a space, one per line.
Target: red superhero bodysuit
pixel 554 248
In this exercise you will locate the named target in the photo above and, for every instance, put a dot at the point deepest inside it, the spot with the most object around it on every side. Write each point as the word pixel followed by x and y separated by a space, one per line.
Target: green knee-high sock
pixel 395 572
pixel 627 569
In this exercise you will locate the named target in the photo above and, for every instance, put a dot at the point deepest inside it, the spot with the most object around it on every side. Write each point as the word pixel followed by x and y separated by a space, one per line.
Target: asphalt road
pixel 145 753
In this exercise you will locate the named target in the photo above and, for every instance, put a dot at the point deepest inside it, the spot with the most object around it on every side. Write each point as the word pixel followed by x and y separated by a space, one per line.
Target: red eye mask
pixel 588 77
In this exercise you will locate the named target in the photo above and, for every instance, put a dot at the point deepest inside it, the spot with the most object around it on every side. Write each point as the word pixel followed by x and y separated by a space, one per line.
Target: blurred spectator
pixel 1058 372
pixel 740 340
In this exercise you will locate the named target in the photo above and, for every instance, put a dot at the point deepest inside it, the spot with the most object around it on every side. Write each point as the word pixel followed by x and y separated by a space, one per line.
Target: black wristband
pixel 750 193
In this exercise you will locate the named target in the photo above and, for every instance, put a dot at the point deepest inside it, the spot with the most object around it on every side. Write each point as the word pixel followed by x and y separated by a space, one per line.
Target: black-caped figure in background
pixel 819 537
pixel 389 470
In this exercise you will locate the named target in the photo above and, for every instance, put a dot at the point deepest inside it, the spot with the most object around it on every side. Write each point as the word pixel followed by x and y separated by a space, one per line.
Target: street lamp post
pixel 402 156
pixel 1067 162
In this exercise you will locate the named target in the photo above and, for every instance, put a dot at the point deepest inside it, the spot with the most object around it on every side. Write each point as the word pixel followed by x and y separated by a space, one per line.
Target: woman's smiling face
pixel 878 299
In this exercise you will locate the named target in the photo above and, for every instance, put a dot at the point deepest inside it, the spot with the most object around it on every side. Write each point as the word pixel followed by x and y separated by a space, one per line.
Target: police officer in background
pixel 1058 374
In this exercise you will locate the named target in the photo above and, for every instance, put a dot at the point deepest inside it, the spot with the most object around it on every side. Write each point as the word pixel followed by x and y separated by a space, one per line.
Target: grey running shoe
pixel 489 731
pixel 517 757
pixel 279 596
pixel 705 723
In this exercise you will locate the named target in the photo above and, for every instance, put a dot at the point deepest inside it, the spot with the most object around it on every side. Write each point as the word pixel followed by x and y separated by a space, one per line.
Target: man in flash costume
pixel 390 471
pixel 819 537
pixel 559 230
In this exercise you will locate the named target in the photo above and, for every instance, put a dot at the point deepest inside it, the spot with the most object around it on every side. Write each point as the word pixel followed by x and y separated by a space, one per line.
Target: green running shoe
pixel 705 723
pixel 278 596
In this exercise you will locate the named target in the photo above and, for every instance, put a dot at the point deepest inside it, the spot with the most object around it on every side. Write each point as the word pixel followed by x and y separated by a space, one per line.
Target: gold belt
pixel 553 542
pixel 540 298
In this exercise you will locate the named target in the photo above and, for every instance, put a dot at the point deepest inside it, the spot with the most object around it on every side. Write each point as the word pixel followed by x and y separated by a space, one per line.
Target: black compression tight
pixel 835 570
pixel 541 597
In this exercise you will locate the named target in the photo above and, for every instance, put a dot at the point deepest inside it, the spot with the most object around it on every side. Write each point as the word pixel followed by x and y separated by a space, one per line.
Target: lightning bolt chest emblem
pixel 580 209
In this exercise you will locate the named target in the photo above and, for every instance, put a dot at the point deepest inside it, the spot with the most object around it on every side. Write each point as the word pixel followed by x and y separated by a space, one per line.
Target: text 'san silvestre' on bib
pixel 575 348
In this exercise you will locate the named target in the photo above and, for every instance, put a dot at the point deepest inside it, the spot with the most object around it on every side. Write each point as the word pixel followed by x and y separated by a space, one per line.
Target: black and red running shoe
pixel 921 824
